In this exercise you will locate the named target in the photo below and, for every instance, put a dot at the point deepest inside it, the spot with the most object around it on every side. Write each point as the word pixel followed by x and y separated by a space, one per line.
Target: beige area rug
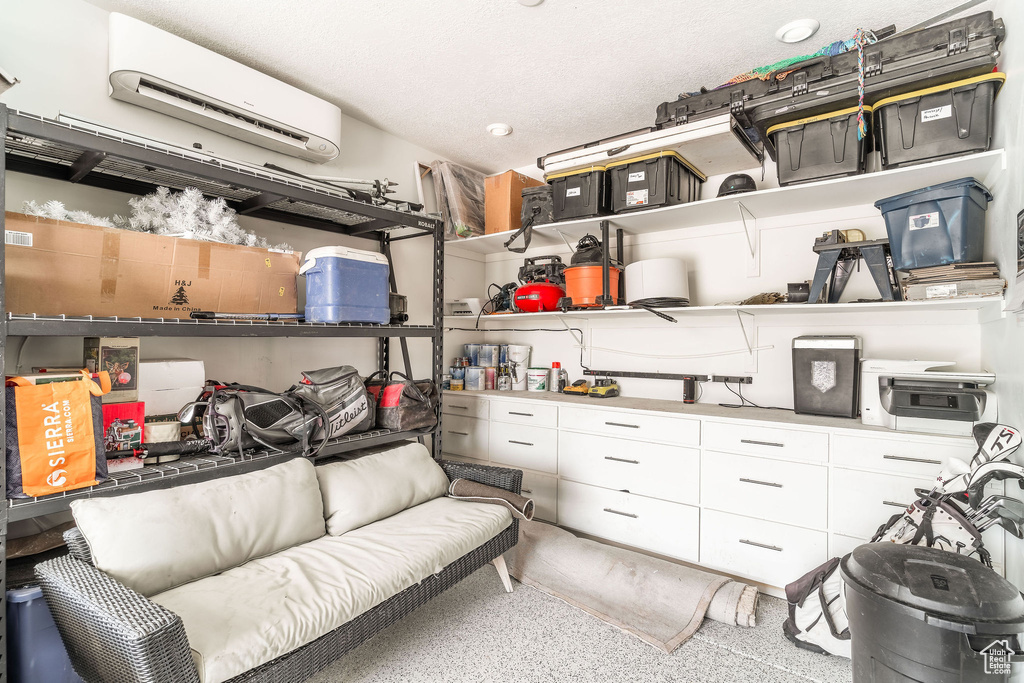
pixel 660 602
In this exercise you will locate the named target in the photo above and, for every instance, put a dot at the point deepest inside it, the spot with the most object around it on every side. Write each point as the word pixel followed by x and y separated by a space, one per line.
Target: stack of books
pixel 954 281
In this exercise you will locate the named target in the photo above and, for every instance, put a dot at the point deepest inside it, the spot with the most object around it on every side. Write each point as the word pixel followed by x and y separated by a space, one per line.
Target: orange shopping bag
pixel 59 436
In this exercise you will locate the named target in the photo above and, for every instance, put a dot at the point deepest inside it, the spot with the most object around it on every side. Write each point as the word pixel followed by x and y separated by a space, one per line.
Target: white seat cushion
pixel 361 491
pixel 157 540
pixel 268 607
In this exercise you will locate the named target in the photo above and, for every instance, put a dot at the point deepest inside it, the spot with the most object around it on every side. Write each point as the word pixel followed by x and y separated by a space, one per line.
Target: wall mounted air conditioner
pixel 158 70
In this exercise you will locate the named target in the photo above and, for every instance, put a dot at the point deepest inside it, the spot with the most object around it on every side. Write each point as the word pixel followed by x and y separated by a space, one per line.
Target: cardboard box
pixel 123 425
pixel 119 356
pixel 503 200
pixel 55 267
pixel 165 386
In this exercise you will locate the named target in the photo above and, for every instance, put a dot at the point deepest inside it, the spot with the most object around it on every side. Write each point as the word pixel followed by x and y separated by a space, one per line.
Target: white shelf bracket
pixel 749 339
pixel 753 240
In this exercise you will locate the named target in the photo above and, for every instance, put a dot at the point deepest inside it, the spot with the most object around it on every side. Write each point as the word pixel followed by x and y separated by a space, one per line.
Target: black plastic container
pixel 579 194
pixel 930 615
pixel 658 179
pixel 820 147
pixel 937 225
pixel 826 375
pixel 934 123
pixel 538 198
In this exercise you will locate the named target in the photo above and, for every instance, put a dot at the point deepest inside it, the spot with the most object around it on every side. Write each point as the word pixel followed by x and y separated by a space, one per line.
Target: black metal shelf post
pixel 53 149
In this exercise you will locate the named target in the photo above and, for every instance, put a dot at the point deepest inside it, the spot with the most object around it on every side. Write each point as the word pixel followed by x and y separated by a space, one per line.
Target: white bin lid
pixel 341 252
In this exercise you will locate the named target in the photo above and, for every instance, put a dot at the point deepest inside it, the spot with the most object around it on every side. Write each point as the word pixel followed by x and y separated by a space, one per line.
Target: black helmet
pixel 736 183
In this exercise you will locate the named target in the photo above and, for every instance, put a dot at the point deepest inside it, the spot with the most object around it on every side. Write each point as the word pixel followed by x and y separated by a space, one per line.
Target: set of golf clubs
pixel 1002 510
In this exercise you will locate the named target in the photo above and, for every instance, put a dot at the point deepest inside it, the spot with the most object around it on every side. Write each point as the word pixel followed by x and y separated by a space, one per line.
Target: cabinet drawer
pixel 924 458
pixel 840 546
pixel 673 430
pixel 524 413
pixel 769 552
pixel 770 441
pixel 648 469
pixel 788 492
pixel 863 501
pixel 457 403
pixel 543 489
pixel 464 436
pixel 656 525
pixel 535 448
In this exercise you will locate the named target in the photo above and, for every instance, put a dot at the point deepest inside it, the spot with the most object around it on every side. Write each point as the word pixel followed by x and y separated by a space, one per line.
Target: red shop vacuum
pixel 543 284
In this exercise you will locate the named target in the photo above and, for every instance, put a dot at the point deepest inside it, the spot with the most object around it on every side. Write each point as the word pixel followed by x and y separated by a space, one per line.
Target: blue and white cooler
pixel 346 285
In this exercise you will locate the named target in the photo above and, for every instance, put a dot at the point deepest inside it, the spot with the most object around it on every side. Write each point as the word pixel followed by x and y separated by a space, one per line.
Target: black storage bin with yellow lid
pixel 935 123
pixel 930 615
pixel 658 179
pixel 579 194
pixel 820 147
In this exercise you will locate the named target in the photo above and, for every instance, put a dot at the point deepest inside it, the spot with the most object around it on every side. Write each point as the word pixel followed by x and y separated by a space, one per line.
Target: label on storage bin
pixel 937 113
pixel 637 177
pixel 922 221
pixel 572 192
pixel 940 291
pixel 18 238
pixel 636 198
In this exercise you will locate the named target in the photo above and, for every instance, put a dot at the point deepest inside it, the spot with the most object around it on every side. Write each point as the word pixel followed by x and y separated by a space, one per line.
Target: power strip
pixel 733 379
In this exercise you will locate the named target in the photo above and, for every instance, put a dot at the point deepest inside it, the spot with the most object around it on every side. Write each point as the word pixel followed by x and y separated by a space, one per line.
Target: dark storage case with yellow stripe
pixel 820 147
pixel 935 123
pixel 579 194
pixel 658 179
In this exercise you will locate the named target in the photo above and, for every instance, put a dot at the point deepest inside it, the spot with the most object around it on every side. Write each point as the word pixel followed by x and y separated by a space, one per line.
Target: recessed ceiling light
pixel 798 30
pixel 499 129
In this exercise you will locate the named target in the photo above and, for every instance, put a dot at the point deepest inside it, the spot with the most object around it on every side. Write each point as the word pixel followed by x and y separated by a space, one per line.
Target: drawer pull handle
pixel 906 459
pixel 521 443
pixel 763 443
pixel 459 433
pixel 624 514
pixel 512 412
pixel 622 424
pixel 526 491
pixel 631 462
pixel 452 405
pixel 762 545
pixel 760 483
pixel 894 504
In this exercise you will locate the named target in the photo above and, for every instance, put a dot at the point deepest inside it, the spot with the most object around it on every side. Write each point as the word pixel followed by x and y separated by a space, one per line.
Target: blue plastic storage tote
pixel 35 651
pixel 346 285
pixel 937 225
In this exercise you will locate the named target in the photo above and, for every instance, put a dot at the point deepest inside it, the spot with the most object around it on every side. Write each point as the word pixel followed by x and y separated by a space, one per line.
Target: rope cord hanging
pixel 861 38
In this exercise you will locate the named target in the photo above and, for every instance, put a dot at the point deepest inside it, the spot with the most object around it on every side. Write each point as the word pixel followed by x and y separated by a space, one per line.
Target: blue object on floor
pixel 35 651
pixel 346 285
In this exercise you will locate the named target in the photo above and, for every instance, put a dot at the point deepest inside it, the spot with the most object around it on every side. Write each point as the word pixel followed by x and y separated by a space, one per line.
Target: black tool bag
pixel 407 405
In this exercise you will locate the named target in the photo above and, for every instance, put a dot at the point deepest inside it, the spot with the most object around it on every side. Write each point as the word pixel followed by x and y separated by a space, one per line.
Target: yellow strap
pixel 995 76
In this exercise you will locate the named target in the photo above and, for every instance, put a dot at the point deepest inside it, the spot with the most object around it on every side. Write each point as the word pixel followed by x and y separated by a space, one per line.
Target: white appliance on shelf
pixel 909 395
pixel 158 70
pixel 657 278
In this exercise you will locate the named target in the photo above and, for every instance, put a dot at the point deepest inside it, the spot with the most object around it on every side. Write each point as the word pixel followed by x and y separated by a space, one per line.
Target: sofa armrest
pixel 77 545
pixel 113 634
pixel 503 478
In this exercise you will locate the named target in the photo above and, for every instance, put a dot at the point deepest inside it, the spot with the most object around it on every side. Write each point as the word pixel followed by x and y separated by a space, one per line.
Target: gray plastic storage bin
pixel 937 225
pixel 929 615
pixel 35 651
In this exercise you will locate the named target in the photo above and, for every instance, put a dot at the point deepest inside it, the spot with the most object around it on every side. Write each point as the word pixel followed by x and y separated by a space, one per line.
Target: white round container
pixel 537 379
pixel 489 355
pixel 519 356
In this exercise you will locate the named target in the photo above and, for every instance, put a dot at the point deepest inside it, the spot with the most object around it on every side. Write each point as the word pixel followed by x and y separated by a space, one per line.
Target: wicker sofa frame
pixel 115 635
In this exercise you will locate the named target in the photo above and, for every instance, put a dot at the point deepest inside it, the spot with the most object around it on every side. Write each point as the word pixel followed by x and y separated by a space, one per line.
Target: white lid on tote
pixel 341 252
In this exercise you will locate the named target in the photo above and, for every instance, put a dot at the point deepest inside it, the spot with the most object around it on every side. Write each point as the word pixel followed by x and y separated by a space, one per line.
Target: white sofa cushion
pixel 156 540
pixel 268 607
pixel 361 491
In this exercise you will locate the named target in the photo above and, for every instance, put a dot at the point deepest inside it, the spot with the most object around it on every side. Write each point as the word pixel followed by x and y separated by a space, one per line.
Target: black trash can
pixel 929 615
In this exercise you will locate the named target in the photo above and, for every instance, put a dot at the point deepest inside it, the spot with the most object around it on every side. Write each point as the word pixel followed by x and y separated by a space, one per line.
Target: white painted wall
pixel 58 48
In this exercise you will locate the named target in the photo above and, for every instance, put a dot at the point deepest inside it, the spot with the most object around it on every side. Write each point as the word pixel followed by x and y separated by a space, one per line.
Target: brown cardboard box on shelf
pixel 503 200
pixel 55 267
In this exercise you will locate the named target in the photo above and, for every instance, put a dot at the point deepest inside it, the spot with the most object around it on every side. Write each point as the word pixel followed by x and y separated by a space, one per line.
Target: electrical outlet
pixel 733 379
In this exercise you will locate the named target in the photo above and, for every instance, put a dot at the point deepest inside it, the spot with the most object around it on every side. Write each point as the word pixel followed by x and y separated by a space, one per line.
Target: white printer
pixel 909 395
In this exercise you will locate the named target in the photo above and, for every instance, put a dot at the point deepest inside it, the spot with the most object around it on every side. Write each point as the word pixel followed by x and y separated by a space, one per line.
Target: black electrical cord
pixel 744 401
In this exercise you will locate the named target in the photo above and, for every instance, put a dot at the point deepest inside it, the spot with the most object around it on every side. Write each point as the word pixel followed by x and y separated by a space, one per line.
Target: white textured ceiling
pixel 436 72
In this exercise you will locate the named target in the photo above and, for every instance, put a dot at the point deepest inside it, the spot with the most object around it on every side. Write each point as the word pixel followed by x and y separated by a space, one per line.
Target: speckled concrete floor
pixel 477 632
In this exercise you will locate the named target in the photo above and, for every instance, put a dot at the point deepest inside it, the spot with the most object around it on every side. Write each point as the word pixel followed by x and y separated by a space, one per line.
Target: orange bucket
pixel 583 284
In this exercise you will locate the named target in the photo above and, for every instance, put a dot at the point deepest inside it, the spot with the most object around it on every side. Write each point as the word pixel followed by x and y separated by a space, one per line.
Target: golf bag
pixel 326 404
pixel 817 600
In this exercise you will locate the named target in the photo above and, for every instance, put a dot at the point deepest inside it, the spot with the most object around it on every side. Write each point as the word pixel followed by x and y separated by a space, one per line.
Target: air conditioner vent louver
pixel 226 112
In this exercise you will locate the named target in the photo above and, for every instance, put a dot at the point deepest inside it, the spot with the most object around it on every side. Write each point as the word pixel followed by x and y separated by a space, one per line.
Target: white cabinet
pixel 863 501
pixel 648 469
pixel 915 457
pixel 773 442
pixel 534 448
pixel 789 492
pixel 656 525
pixel 519 412
pixel 543 490
pixel 761 550
pixel 464 405
pixel 464 436
pixel 640 426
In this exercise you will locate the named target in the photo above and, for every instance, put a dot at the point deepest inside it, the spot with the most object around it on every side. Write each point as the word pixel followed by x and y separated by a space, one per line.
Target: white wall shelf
pixel 780 201
pixel 988 308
